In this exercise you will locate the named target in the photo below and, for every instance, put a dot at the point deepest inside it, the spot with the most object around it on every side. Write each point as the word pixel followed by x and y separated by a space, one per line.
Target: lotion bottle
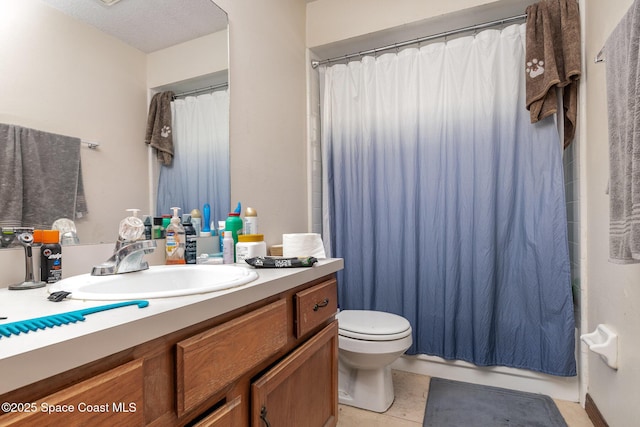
pixel 228 251
pixel 175 240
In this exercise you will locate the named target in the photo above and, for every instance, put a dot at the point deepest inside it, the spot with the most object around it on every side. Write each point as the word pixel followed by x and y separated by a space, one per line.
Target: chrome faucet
pixel 24 235
pixel 127 257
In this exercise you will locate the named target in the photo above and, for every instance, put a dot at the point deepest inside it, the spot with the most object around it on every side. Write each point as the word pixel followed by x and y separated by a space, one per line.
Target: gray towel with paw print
pixel 159 131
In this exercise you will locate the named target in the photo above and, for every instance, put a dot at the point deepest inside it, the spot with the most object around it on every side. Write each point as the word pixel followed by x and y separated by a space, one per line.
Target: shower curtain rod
pixel 201 90
pixel 316 63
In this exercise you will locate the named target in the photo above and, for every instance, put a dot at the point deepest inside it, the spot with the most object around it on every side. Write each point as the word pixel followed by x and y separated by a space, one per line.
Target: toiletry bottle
pixel 158 229
pixel 228 251
pixel 221 233
pixel 234 225
pixel 166 220
pixel 206 218
pixel 196 220
pixel 174 242
pixel 250 221
pixel 50 257
pixel 190 244
pixel 148 228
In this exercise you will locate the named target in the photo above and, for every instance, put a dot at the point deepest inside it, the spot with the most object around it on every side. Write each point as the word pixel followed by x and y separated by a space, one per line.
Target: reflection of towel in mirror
pixel 159 131
pixel 622 51
pixel 553 61
pixel 40 177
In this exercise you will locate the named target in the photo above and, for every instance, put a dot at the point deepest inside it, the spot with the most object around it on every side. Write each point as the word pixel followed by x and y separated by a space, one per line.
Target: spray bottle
pixel 175 240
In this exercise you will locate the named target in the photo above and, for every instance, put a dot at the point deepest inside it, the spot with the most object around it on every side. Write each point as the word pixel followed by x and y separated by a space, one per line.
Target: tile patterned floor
pixel 409 405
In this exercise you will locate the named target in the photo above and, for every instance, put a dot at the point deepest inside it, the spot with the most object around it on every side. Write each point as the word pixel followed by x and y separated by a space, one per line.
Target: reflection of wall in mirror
pixel 81 82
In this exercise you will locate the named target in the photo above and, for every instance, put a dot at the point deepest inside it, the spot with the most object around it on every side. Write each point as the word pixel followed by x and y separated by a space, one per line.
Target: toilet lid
pixel 372 325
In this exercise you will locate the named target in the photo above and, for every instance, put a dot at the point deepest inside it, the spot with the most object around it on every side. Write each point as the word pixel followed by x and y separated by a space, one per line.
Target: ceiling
pixel 148 25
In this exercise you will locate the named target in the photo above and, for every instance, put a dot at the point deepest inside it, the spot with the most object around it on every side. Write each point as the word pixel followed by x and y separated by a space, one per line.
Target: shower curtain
pixel 199 172
pixel 447 205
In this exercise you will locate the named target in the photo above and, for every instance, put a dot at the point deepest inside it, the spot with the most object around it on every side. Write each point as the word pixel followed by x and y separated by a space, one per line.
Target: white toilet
pixel 368 342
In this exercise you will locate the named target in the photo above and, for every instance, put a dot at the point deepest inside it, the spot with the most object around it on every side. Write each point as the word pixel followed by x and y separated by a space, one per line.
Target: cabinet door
pixel 301 390
pixel 109 399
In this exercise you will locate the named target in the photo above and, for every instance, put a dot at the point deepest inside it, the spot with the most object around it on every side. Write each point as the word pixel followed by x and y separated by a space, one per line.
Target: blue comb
pixel 15 328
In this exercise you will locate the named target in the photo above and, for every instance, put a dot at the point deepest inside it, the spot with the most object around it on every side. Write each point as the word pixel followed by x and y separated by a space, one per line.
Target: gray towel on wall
pixel 622 51
pixel 40 177
pixel 159 130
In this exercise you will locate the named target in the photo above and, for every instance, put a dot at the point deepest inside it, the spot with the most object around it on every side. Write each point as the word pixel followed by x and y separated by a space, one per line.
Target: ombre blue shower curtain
pixel 199 172
pixel 447 204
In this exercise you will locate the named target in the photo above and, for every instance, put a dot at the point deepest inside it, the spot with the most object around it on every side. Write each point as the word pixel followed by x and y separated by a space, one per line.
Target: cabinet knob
pixel 319 305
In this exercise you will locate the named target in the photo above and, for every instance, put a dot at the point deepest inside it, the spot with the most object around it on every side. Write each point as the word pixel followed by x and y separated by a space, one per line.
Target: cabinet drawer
pixel 112 398
pixel 315 305
pixel 209 361
pixel 229 415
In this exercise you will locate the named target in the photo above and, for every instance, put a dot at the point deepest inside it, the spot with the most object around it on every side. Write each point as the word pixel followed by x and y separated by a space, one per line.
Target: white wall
pixel 189 60
pixel 613 289
pixel 268 111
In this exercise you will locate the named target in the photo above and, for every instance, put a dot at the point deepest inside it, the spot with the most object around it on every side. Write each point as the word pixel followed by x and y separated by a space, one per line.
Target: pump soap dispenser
pixel 175 240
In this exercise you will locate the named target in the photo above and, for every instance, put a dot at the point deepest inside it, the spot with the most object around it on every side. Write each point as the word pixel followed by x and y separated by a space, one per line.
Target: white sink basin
pixel 157 282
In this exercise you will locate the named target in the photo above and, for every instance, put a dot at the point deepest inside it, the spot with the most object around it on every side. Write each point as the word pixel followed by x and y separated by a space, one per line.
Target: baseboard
pixel 564 388
pixel 594 413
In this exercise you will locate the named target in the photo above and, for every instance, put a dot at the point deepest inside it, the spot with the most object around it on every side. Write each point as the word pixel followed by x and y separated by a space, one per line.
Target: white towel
pixel 622 52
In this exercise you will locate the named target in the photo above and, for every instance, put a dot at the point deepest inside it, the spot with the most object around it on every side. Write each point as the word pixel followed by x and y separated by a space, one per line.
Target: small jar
pixel 250 246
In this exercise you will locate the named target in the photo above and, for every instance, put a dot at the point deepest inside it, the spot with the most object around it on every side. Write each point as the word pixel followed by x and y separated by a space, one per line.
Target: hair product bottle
pixel 175 240
pixel 50 257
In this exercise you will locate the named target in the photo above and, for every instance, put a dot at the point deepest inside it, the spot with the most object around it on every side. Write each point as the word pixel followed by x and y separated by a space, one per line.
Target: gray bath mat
pixel 454 403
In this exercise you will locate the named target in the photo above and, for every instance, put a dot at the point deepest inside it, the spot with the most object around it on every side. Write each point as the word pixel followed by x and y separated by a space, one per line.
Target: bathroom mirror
pixel 85 69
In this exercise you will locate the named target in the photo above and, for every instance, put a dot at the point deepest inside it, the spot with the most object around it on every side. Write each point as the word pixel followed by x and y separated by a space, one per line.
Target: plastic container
pixel 166 220
pixel 175 240
pixel 250 246
pixel 250 221
pixel 234 225
pixel 148 228
pixel 196 220
pixel 228 252
pixel 190 241
pixel 50 257
pixel 220 233
pixel 158 229
pixel 206 218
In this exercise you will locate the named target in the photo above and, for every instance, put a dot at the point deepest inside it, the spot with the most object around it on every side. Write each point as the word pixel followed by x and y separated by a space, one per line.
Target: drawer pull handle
pixel 263 416
pixel 319 305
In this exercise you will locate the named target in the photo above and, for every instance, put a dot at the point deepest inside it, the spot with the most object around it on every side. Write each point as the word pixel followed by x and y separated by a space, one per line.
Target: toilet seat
pixel 372 325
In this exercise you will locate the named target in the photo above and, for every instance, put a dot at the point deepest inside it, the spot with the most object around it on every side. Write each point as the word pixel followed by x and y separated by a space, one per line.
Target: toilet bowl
pixel 368 342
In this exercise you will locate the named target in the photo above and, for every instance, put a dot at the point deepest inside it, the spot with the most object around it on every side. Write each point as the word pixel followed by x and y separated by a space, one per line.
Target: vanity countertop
pixel 33 356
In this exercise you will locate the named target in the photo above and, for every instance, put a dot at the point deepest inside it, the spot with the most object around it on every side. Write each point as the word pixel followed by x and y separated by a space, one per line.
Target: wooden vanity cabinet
pixel 279 354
